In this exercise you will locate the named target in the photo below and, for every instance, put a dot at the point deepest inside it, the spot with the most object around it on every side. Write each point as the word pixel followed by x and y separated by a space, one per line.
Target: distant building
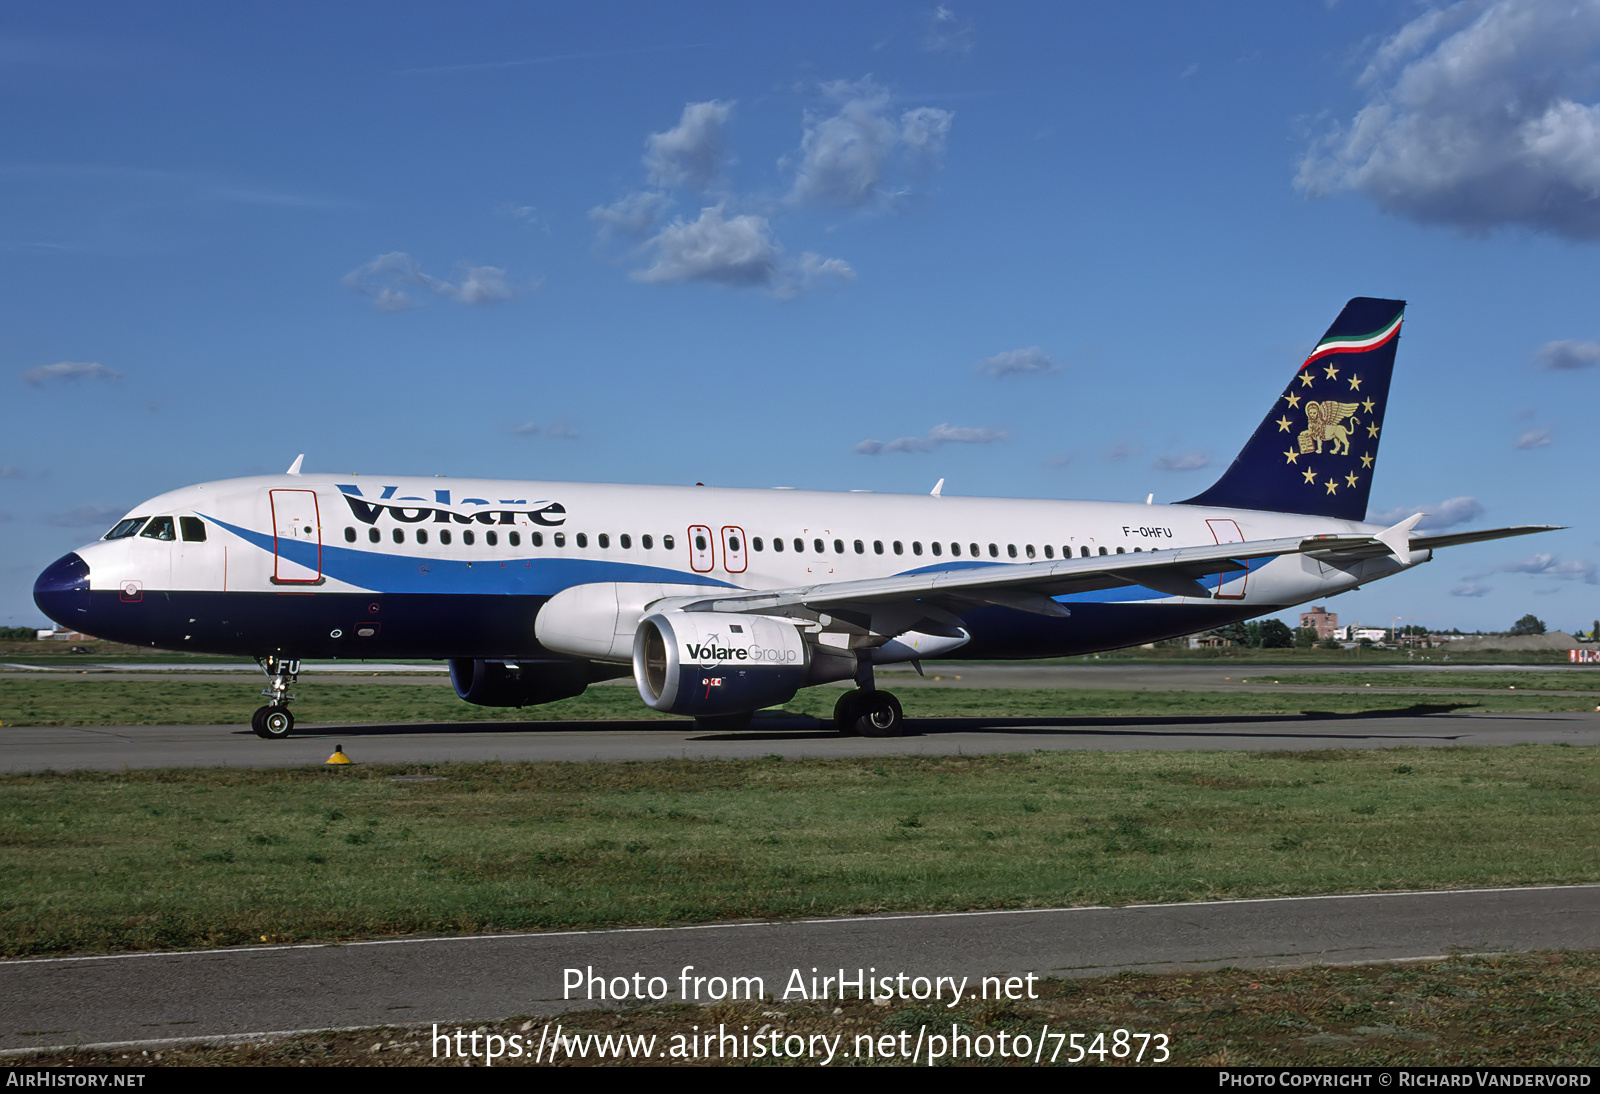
pixel 1321 620
pixel 63 636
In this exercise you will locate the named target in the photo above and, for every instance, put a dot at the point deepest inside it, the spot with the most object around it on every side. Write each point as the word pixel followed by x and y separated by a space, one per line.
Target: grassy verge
pixel 193 700
pixel 1583 681
pixel 136 860
pixel 1516 1010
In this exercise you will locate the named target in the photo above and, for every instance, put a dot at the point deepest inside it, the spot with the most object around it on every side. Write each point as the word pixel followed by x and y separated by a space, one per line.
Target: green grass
pixel 141 860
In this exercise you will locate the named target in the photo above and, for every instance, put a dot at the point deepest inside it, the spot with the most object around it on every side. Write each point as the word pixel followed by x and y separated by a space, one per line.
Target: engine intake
pixel 710 663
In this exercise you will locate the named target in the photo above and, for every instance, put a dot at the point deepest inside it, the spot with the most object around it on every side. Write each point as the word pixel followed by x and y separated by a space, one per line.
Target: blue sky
pixel 1040 250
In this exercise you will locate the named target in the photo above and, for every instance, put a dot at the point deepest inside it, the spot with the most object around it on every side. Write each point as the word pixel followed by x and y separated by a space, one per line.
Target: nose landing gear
pixel 273 721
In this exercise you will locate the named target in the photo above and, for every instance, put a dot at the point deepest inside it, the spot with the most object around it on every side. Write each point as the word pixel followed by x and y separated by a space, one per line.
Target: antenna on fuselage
pixel 294 468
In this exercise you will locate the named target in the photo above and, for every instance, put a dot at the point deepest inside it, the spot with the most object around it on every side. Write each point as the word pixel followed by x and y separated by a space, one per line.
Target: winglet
pixel 294 468
pixel 1398 538
pixel 938 486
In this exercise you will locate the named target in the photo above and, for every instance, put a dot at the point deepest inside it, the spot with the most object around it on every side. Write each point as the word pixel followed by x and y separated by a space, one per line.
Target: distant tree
pixel 1330 643
pixel 1253 629
pixel 18 634
pixel 1528 624
pixel 1305 638
pixel 1276 635
pixel 1235 633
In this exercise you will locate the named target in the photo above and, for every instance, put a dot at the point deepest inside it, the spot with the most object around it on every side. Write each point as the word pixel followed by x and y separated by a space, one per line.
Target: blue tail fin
pixel 1316 450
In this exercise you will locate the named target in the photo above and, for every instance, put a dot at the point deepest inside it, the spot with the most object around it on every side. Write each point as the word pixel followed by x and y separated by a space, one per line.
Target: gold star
pixel 1283 425
pixel 1372 431
pixel 1310 474
pixel 1355 383
pixel 1290 456
pixel 1292 399
pixel 1333 487
pixel 1366 461
pixel 1350 480
pixel 1333 373
pixel 1368 405
pixel 1305 379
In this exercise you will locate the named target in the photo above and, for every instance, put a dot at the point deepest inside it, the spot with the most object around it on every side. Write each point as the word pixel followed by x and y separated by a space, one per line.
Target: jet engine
pixel 710 663
pixel 524 683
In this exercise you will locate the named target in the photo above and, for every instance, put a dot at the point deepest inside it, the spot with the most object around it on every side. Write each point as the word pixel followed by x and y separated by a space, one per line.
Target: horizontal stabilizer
pixel 1428 543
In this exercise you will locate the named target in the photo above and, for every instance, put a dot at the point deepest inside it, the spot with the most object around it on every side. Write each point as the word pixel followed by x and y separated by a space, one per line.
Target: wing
pixel 1031 586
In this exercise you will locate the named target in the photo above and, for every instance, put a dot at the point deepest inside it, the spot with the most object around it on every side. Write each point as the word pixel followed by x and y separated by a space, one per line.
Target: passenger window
pixel 1011 550
pixel 536 538
pixel 666 542
pixel 799 545
pixel 1049 551
pixel 938 548
pixel 955 549
pixel 994 551
pixel 422 535
pixel 975 551
pixel 582 539
pixel 899 548
pixel 645 542
pixel 399 535
pixel 126 528
pixel 817 543
pixel 1029 550
pixel 1102 550
pixel 159 528
pixel 733 543
pixel 349 535
pixel 492 538
pixel 469 537
pixel 559 539
pixel 916 546
pixel 513 538
pixel 624 540
pixel 444 536
pixel 1120 551
pixel 756 543
pixel 777 544
pixel 877 546
pixel 838 546
pixel 861 548
pixel 194 529
pixel 376 536
pixel 604 540
pixel 1085 551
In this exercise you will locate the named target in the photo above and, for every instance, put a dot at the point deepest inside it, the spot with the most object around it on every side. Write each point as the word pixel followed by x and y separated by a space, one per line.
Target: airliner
pixel 721 602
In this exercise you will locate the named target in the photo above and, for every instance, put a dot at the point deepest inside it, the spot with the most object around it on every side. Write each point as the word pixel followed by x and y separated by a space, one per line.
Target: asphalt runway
pixel 1428 724
pixel 115 748
pixel 149 999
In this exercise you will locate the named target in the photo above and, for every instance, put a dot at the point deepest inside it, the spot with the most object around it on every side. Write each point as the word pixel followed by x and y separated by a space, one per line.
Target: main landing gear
pixel 868 712
pixel 273 721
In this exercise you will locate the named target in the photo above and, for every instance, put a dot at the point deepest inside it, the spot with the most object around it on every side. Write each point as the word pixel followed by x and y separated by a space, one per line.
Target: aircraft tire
pixel 272 723
pixel 879 715
pixel 845 713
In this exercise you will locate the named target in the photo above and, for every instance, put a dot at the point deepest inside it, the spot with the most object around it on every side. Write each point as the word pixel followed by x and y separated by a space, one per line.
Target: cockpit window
pixel 126 528
pixel 160 528
pixel 194 529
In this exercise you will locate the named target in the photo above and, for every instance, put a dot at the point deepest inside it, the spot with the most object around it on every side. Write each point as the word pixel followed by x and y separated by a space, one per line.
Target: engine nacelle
pixel 520 683
pixel 710 663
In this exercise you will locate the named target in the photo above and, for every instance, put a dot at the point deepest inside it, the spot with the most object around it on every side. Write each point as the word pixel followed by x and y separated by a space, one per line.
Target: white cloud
pixel 1566 354
pixel 1120 451
pixel 945 32
pixel 690 153
pixel 1535 438
pixel 386 278
pixel 633 217
pixel 1189 461
pixel 1015 362
pixel 845 156
pixel 1440 515
pixel 736 251
pixel 1477 119
pixel 69 370
pixel 1471 588
pixel 1548 565
pixel 941 434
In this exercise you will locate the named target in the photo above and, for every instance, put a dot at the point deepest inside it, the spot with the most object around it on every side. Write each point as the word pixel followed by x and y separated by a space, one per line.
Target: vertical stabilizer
pixel 1316 450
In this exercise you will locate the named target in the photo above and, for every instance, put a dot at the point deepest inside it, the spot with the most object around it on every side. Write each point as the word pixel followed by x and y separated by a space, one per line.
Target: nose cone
pixel 62 591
